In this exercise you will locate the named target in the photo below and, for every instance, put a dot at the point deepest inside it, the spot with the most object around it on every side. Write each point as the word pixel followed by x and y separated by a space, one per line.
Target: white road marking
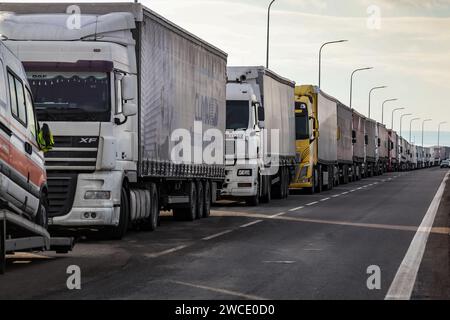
pixel 280 262
pixel 250 224
pixel 344 193
pixel 217 235
pixel 277 215
pixel 312 203
pixel 295 209
pixel 405 279
pixel 162 253
pixel 325 199
pixel 223 291
pixel 336 195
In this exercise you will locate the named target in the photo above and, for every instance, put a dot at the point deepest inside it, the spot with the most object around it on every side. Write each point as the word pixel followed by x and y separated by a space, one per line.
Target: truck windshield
pixel 237 115
pixel 66 96
pixel 301 126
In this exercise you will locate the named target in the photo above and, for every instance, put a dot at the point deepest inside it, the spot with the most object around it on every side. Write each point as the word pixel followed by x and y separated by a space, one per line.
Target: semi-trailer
pixel 317 154
pixel 393 151
pixel 359 145
pixel 371 147
pixel 137 107
pixel 344 143
pixel 403 154
pixel 260 135
pixel 383 148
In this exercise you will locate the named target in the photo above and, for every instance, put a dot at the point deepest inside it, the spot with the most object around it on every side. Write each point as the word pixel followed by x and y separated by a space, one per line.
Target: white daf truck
pixel 122 89
pixel 260 152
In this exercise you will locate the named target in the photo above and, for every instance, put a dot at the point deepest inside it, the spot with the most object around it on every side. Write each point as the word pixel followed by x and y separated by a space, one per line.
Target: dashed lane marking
pixel 312 203
pixel 296 209
pixel 219 290
pixel 217 235
pixel 250 224
pixel 165 252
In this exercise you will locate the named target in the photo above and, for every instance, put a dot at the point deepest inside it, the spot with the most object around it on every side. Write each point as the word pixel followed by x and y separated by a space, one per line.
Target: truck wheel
pixel 42 214
pixel 268 187
pixel 287 183
pixel 254 200
pixel 200 200
pixel 152 222
pixel 312 190
pixel 319 186
pixel 189 213
pixel 207 199
pixel 117 233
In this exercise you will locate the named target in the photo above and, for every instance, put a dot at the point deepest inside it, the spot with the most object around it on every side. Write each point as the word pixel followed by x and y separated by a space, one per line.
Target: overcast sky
pixel 409 46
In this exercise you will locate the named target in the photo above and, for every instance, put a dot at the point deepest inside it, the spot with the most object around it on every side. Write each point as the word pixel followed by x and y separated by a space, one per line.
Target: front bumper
pixel 95 212
pixel 239 186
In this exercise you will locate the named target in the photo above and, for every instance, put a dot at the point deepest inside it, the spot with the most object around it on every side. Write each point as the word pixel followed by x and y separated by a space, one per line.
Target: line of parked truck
pixel 113 85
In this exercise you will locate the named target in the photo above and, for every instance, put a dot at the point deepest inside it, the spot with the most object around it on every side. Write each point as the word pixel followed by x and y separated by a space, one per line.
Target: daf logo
pixel 88 140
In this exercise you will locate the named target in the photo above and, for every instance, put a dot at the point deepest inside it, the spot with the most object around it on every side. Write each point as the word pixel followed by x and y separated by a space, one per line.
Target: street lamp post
pixel 382 108
pixel 401 121
pixel 370 95
pixel 410 128
pixel 393 111
pixel 351 81
pixel 320 57
pixel 268 32
pixel 423 127
pixel 439 139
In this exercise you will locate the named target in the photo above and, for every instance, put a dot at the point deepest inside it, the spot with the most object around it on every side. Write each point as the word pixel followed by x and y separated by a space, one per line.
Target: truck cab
pixel 85 90
pixel 23 180
pixel 305 135
pixel 243 148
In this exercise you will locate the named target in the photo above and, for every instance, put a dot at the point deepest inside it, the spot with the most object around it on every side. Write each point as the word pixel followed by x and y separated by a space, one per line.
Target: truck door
pixel 21 150
pixel 5 133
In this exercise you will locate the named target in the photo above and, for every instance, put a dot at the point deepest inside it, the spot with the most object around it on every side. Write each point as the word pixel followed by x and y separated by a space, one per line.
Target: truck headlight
pixel 244 173
pixel 97 195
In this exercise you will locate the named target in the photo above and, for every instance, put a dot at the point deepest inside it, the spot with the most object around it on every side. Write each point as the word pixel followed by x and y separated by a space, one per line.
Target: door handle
pixel 28 148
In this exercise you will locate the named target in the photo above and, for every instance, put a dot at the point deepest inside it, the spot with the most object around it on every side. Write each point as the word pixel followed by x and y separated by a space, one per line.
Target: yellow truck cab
pixel 306 132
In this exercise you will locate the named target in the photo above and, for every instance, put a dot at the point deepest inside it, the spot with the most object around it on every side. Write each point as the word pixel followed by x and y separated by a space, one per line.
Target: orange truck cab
pixel 23 180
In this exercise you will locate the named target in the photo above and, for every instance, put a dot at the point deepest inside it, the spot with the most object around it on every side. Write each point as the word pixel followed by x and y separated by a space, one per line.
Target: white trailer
pixel 120 93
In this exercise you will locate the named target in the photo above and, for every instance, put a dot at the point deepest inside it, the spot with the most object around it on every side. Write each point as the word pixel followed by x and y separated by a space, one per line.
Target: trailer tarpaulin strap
pixel 2 244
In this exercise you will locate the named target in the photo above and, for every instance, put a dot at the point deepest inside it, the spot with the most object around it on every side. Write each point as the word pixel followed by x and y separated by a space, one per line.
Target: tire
pixel 207 199
pixel 189 213
pixel 254 200
pixel 200 200
pixel 319 186
pixel 287 181
pixel 312 189
pixel 151 224
pixel 266 198
pixel 118 232
pixel 41 218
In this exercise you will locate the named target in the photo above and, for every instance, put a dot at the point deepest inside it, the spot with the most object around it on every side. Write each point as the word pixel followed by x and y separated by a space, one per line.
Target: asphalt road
pixel 306 247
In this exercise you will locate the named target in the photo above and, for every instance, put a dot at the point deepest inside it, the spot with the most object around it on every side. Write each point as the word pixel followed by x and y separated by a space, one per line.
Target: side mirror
pixel 379 142
pixel 129 109
pixel 45 139
pixel 261 114
pixel 128 87
pixel 366 139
